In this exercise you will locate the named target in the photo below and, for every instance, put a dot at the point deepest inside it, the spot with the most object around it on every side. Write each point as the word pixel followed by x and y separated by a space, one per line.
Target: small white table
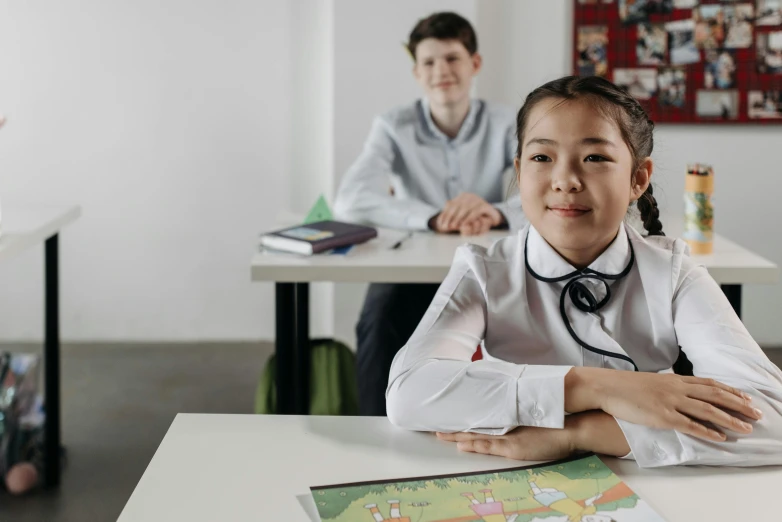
pixel 24 227
pixel 253 467
pixel 424 258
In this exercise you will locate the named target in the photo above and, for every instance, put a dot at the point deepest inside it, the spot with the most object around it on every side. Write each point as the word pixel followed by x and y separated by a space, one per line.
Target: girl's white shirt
pixel 490 298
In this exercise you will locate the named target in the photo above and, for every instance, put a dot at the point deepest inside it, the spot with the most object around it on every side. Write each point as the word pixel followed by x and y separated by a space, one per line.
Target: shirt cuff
pixel 540 396
pixel 496 432
pixel 418 219
pixel 651 447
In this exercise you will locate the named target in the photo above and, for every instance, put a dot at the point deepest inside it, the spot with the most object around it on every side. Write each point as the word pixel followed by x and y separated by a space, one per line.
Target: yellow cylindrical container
pixel 698 209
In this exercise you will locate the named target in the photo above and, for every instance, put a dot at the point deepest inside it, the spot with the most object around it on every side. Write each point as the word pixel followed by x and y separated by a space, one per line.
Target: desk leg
pixel 733 293
pixel 52 362
pixel 292 348
pixel 284 339
pixel 302 350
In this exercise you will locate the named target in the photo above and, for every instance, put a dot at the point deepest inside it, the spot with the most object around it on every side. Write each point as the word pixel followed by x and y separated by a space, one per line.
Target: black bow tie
pixel 583 298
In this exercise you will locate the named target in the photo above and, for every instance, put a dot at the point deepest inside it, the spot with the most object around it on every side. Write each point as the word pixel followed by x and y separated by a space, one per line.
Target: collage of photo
pixel 666 46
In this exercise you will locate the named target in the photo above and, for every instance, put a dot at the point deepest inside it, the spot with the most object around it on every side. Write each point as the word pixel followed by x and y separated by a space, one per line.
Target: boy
pixel 436 164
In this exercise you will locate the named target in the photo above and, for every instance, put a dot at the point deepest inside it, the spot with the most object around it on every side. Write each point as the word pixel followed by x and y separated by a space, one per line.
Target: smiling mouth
pixel 570 212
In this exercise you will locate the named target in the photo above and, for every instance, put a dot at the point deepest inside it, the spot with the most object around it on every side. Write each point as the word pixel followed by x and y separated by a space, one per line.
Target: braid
pixel 650 214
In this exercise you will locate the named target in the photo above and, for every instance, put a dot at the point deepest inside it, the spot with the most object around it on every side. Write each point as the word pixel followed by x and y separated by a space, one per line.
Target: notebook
pixel 314 238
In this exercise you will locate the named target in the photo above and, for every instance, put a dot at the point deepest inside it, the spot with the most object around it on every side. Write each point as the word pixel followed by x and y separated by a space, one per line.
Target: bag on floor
pixel 333 389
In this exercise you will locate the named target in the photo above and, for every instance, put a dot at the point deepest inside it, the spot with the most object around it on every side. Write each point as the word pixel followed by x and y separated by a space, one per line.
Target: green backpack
pixel 333 389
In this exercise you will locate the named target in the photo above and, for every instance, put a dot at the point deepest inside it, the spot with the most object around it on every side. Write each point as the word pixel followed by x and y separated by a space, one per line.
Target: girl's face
pixel 575 178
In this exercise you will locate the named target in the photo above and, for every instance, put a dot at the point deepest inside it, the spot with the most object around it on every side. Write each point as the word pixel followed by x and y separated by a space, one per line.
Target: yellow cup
pixel 698 209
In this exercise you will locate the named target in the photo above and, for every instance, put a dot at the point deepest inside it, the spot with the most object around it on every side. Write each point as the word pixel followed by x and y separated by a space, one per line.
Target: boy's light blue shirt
pixel 405 150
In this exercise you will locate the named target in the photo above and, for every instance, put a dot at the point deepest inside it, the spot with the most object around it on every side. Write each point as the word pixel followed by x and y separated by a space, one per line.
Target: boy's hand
pixel 466 208
pixel 476 227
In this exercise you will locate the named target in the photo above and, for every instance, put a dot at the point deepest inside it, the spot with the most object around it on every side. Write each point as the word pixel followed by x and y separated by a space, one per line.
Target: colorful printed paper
pixel 579 490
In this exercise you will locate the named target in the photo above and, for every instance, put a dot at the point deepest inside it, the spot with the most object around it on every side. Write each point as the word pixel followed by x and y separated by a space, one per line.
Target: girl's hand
pixel 523 443
pixel 670 401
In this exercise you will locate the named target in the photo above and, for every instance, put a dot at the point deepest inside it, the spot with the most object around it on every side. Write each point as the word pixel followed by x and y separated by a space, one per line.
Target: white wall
pixel 311 146
pixel 168 122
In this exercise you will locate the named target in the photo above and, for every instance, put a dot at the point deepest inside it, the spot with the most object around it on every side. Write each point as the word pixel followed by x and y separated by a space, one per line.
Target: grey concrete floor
pixel 118 402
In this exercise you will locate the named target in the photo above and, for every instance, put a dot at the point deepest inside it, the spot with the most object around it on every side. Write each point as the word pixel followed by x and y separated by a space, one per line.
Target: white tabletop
pixel 426 258
pixel 24 226
pixel 253 467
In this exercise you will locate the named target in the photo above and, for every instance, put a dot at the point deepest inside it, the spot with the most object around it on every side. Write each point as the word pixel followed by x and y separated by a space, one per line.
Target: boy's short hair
pixel 443 26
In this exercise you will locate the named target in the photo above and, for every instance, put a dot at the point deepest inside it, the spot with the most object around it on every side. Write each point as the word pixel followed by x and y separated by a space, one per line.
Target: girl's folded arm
pixel 719 347
pixel 434 386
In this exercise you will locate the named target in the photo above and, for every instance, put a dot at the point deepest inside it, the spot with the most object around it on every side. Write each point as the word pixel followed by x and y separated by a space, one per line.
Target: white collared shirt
pixel 490 298
pixel 405 150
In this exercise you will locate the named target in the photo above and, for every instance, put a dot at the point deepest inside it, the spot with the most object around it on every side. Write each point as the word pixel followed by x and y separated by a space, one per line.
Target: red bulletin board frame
pixel 621 53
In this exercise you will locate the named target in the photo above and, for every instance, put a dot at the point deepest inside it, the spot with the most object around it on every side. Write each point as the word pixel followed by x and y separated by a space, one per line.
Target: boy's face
pixel 444 69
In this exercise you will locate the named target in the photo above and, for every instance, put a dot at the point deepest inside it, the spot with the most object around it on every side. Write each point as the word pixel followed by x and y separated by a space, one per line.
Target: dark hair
pixel 443 26
pixel 613 103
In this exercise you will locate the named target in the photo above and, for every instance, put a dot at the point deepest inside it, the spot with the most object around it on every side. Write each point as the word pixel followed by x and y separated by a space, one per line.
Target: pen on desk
pixel 398 244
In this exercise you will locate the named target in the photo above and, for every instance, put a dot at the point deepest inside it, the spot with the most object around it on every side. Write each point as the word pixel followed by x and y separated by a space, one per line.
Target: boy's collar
pixel 467 125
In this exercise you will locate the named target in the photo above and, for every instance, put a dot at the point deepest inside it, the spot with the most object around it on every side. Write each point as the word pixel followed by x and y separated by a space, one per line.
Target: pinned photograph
pixel 709 26
pixel 592 49
pixel 671 86
pixel 720 69
pixel 659 6
pixel 634 11
pixel 769 52
pixel 681 42
pixel 769 12
pixel 685 4
pixel 738 23
pixel 651 44
pixel 641 84
pixel 764 104
pixel 717 104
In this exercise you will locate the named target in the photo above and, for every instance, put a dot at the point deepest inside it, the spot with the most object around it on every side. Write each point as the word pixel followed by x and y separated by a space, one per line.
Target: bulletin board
pixel 686 61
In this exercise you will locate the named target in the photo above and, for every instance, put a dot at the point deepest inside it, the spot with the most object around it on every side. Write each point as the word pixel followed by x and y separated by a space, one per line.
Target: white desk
pixel 251 468
pixel 24 227
pixel 424 258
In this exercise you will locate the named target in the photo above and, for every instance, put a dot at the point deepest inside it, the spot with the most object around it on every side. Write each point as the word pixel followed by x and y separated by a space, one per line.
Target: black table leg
pixel 292 348
pixel 284 337
pixel 733 293
pixel 52 362
pixel 302 349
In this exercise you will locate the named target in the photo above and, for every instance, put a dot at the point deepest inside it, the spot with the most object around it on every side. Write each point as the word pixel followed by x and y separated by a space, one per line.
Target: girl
pixel 592 337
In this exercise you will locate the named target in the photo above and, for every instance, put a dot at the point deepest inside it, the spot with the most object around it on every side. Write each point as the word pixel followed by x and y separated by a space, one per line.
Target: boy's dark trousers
pixel 389 317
